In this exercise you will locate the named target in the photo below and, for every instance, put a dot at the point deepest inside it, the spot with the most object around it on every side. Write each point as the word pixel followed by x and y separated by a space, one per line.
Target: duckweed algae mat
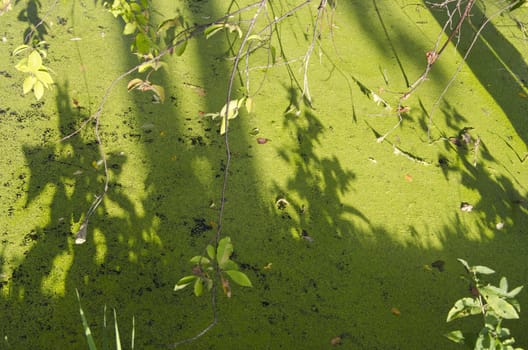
pixel 348 237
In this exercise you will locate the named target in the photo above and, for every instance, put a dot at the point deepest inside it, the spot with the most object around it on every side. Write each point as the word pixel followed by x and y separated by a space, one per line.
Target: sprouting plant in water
pixel 216 262
pixel 494 303
pixel 38 76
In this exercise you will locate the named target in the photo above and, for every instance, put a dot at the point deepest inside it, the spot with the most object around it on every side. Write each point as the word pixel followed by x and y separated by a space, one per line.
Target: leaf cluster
pixel 38 76
pixel 495 303
pixel 230 111
pixel 204 268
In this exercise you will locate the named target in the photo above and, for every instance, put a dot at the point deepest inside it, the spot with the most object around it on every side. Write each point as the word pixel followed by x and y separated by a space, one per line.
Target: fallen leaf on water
pixel 408 178
pixel 262 140
pixel 395 311
pixel 268 266
pixel 80 237
pixel 336 340
pixel 465 206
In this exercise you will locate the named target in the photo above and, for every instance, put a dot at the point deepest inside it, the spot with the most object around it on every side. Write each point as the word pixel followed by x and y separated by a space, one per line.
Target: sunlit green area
pixel 347 222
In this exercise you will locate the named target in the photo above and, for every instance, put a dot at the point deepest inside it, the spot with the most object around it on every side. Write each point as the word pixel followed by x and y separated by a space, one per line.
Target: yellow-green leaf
pixel 28 84
pixel 198 287
pixel 213 29
pixel 231 109
pixel 20 49
pixel 38 90
pixel 160 91
pixel 22 65
pixel 130 28
pixel 239 278
pixel 134 83
pixel 34 61
pixel 180 49
pixel 249 104
pixel 223 126
pixel 44 77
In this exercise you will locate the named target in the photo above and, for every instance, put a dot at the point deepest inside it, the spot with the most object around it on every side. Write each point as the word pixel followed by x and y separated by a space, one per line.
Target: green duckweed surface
pixel 378 213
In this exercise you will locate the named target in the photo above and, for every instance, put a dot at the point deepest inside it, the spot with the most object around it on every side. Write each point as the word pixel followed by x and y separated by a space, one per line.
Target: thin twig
pixel 30 34
pixel 221 211
pixel 432 57
pixel 315 36
pixel 82 232
pixel 459 67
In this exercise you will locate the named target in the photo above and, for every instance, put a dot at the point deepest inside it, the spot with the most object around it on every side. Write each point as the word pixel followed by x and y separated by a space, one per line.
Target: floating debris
pixel 465 206
pixel 336 340
pixel 304 235
pixel 500 225
pixel 262 140
pixel 395 311
pixel 268 266
pixel 438 264
pixel 281 203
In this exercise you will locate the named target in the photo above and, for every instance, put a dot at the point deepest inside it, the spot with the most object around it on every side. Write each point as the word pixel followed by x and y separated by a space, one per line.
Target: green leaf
pixel 229 265
pixel 213 29
pixel 22 66
pixel 20 49
pixel 249 104
pixel 169 23
pixel 513 293
pixel 160 91
pixel 462 261
pixel 28 83
pixel 134 83
pixel 210 251
pixel 482 270
pixel 223 126
pixel 462 308
pixel 34 61
pixel 184 282
pixel 503 308
pixel 38 90
pixel 198 287
pixel 503 284
pixel 231 109
pixel 44 77
pixel 455 336
pixel 224 250
pixel 201 260
pixel 239 278
pixel 180 49
pixel 142 43
pixel 130 28
pixel 254 37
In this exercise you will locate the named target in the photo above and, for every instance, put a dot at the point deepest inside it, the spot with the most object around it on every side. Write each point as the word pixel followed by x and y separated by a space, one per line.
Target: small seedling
pixel 494 303
pixel 204 268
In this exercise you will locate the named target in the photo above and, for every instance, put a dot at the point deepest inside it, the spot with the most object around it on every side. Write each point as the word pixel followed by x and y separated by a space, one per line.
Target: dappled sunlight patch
pixel 100 244
pixel 202 170
pixel 54 284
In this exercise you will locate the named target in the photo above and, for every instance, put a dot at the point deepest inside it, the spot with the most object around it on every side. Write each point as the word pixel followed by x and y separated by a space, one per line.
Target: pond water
pixel 346 240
